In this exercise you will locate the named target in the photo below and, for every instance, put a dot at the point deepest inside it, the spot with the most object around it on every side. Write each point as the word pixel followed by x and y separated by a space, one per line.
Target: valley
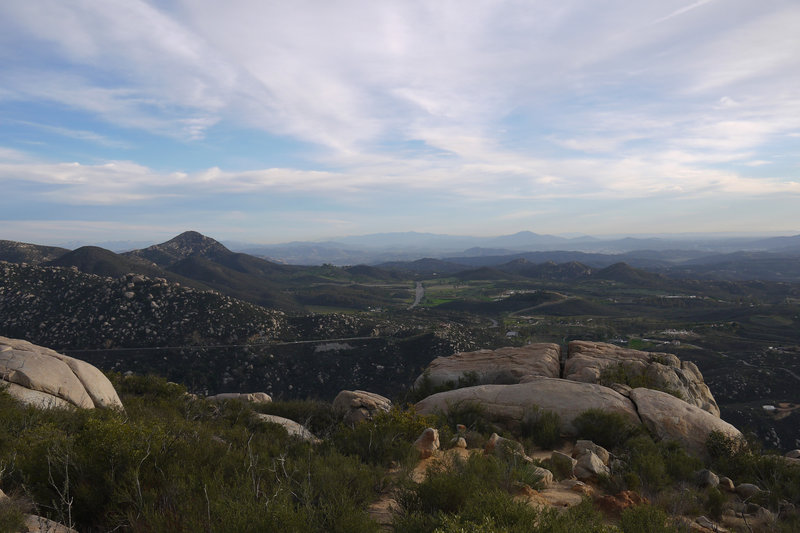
pixel 218 321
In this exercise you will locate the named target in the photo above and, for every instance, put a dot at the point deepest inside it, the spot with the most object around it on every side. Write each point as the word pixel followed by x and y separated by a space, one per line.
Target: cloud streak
pixel 486 103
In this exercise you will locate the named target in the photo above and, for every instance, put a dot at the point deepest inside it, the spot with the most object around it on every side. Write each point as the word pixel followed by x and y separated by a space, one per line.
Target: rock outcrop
pixel 427 443
pixel 503 366
pixel 670 418
pixel 46 378
pixel 595 376
pixel 507 404
pixel 586 362
pixel 358 405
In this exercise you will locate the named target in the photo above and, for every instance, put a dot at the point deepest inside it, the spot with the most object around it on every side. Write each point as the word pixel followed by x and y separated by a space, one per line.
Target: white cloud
pixel 653 98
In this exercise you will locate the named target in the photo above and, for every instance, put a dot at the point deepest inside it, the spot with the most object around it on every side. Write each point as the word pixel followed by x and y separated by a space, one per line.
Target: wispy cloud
pixel 479 103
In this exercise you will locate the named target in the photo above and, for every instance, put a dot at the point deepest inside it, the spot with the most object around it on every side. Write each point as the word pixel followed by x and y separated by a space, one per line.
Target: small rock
pixel 427 443
pixel 726 484
pixel 460 442
pixel 706 478
pixel 708 524
pixel 747 490
pixel 766 515
pixel 545 476
pixel 40 524
pixel 505 448
pixel 590 466
pixel 794 454
pixel 562 464
pixel 614 505
pixel 582 446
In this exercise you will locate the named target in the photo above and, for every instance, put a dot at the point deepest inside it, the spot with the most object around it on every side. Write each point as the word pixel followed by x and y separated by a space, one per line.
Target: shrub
pixel 622 374
pixel 471 414
pixel 317 416
pixel 388 437
pixel 474 488
pixel 715 502
pixel 541 426
pixel 744 461
pixel 608 429
pixel 427 388
pixel 12 513
pixel 645 519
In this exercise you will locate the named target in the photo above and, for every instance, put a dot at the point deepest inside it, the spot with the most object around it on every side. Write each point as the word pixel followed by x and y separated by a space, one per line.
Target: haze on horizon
pixel 278 121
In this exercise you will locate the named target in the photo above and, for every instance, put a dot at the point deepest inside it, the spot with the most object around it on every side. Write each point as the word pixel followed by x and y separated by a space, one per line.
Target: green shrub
pixel 645 519
pixel 743 461
pixel 388 437
pixel 625 375
pixel 715 501
pixel 473 488
pixel 469 413
pixel 608 429
pixel 317 416
pixel 541 426
pixel 12 513
pixel 426 387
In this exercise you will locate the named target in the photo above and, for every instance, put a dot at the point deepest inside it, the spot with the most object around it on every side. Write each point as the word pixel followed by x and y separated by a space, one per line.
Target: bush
pixel 388 437
pixel 542 427
pixel 427 388
pixel 470 414
pixel 474 488
pixel 317 416
pixel 645 519
pixel 624 375
pixel 608 429
pixel 743 461
pixel 12 513
pixel 715 501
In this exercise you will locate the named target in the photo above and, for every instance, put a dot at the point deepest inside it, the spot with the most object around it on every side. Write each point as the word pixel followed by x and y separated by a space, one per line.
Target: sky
pixel 271 121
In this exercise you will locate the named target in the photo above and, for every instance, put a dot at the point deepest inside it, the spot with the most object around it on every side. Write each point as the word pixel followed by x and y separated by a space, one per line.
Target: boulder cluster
pixel 511 381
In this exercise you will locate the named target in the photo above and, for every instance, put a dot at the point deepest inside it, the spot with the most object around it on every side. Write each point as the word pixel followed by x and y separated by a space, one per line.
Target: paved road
pixel 419 293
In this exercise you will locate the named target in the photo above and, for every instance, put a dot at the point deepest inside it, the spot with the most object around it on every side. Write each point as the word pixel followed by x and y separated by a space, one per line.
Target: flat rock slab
pixel 509 403
pixel 670 418
pixel 507 365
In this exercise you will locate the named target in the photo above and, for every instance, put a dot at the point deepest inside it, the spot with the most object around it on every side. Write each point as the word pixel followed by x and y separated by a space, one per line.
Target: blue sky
pixel 268 121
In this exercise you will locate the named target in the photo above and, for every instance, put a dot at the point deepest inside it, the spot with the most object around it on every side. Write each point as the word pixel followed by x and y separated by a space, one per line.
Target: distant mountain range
pixel 390 247
pixel 201 262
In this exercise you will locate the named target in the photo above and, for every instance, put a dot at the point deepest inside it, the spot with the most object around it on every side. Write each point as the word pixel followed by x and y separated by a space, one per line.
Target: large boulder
pixel 292 428
pixel 507 404
pixel 586 362
pixel 502 366
pixel 46 378
pixel 358 405
pixel 670 418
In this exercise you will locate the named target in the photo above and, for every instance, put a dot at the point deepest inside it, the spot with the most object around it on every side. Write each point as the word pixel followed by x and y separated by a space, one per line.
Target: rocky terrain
pixel 65 308
pixel 452 473
pixel 531 376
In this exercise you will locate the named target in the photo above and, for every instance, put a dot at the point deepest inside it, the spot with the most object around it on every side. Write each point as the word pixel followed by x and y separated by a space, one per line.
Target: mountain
pixel 187 244
pixel 23 252
pixel 95 260
pixel 549 270
pixel 624 273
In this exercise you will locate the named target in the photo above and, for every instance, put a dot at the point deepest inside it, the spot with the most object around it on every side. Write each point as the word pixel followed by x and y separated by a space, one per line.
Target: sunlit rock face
pixel 45 378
